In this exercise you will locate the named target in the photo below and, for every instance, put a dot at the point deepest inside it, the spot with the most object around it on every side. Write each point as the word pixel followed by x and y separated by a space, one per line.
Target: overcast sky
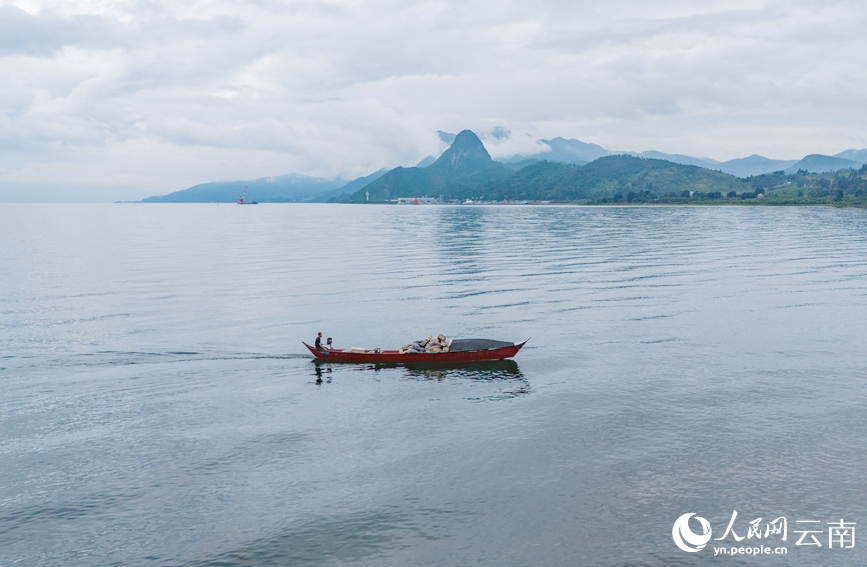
pixel 154 96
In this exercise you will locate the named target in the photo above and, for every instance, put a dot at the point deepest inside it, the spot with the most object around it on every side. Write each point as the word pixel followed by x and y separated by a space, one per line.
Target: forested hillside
pixel 608 177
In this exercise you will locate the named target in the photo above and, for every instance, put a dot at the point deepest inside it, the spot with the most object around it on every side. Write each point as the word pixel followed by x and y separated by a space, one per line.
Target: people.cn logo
pixel 685 538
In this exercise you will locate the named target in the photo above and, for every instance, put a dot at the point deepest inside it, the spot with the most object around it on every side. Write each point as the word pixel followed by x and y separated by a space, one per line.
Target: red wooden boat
pixel 460 350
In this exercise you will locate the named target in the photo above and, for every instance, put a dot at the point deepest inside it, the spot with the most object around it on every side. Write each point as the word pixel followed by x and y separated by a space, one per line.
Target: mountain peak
pixel 466 153
pixel 467 141
pixel 463 167
pixel 818 163
pixel 855 155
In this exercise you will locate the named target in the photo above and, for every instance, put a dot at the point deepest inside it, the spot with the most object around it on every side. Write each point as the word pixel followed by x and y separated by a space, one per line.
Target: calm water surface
pixel 157 407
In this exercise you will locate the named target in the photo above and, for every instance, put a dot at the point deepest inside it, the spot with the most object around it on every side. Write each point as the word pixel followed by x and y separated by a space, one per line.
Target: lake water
pixel 158 408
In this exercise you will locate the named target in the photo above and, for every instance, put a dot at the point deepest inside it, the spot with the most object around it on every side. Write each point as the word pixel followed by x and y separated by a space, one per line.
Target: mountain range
pixel 577 152
pixel 285 188
pixel 282 189
pixel 466 166
pixel 466 171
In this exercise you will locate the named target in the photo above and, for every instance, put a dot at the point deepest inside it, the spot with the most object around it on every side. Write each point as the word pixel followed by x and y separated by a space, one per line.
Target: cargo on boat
pixel 459 350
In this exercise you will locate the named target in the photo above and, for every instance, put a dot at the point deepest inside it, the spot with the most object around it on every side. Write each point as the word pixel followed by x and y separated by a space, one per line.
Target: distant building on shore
pixel 416 201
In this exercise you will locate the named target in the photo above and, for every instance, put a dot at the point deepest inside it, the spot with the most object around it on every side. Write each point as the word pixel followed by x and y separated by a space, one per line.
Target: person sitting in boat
pixel 328 345
pixel 318 344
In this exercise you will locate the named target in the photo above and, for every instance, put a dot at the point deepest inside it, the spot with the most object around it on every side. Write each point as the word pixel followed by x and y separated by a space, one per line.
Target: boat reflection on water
pixel 505 371
pixel 489 370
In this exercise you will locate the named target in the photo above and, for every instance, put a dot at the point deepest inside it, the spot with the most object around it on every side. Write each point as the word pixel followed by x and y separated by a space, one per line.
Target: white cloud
pixel 161 95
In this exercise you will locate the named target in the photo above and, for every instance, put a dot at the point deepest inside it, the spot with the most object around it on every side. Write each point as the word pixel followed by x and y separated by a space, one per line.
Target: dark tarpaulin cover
pixel 467 345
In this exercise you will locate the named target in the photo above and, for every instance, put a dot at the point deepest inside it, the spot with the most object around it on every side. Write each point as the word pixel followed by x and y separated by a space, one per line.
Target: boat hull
pixel 394 357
